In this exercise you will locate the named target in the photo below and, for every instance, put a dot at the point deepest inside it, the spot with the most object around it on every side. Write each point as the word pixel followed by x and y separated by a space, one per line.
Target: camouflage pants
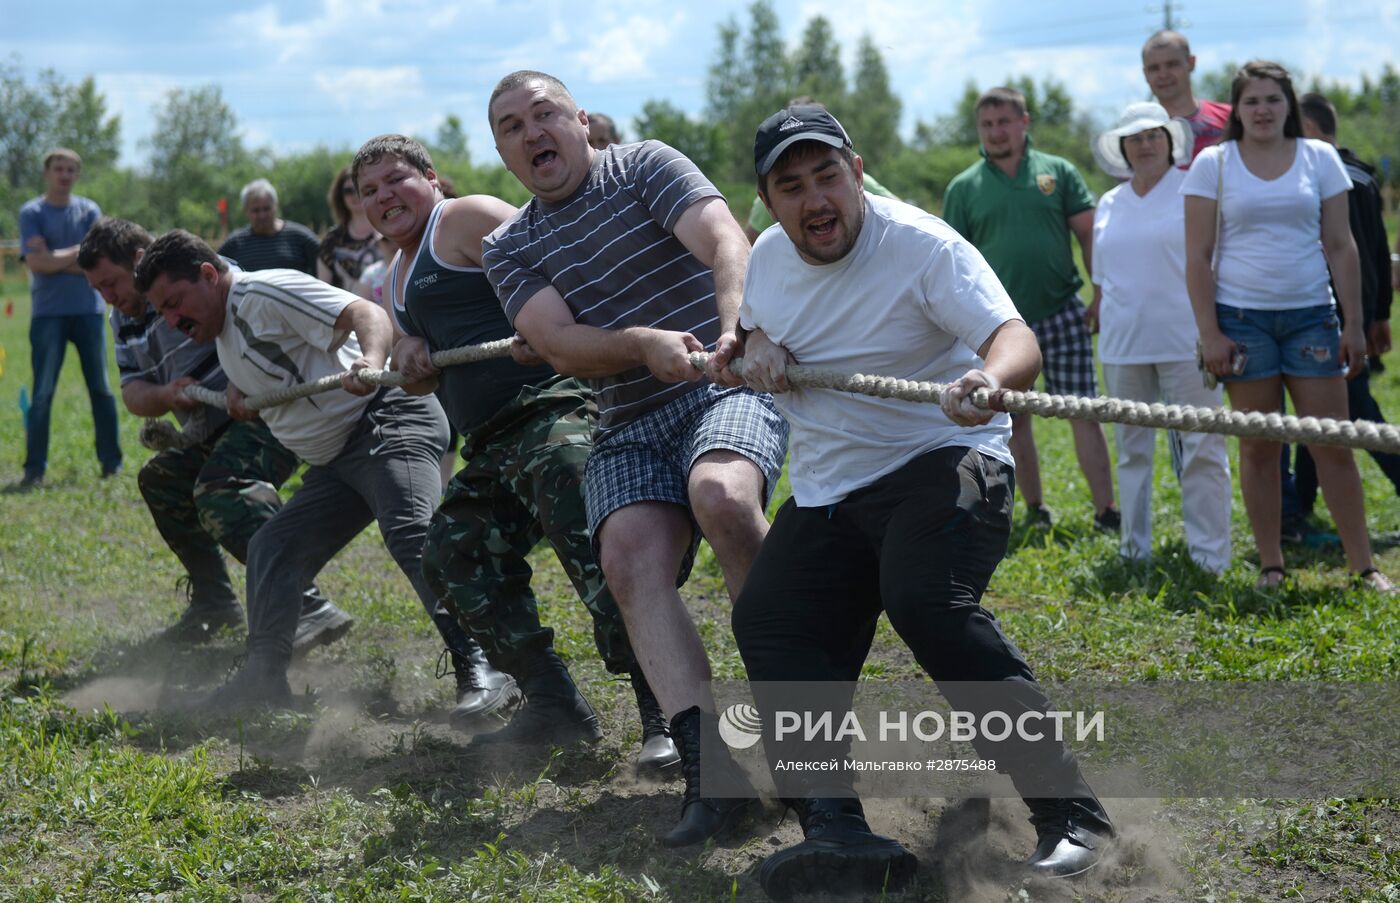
pixel 216 494
pixel 523 482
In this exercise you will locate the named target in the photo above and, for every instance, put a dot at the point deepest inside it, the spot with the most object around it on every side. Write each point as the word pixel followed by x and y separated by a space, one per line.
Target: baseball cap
pixel 801 122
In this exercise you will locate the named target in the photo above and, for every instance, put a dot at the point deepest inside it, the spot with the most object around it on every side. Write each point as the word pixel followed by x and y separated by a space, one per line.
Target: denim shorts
pixel 1305 341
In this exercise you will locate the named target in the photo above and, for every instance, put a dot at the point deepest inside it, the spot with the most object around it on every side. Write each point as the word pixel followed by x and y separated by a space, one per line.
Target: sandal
pixel 1372 578
pixel 1266 575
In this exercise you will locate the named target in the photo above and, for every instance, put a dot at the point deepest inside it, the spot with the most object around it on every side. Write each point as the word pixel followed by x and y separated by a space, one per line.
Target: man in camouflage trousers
pixel 212 494
pixel 527 434
pixel 496 509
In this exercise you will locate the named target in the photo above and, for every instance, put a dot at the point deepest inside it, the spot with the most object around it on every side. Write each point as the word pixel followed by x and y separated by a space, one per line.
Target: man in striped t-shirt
pixel 625 261
pixel 215 492
pixel 373 453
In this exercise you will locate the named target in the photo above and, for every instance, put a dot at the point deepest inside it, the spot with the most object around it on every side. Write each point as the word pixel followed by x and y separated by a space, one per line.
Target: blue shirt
pixel 59 294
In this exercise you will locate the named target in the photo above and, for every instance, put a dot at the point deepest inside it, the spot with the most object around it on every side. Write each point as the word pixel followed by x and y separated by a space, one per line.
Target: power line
pixel 1169 21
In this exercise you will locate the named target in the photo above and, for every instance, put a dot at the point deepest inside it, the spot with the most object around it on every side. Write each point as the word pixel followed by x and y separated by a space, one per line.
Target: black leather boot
pixel 211 607
pixel 485 696
pixel 555 712
pixel 1073 836
pixel 839 855
pixel 702 817
pixel 658 749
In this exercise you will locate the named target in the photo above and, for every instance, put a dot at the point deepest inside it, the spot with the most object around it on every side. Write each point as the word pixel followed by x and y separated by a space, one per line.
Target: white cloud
pixel 365 88
pixel 625 50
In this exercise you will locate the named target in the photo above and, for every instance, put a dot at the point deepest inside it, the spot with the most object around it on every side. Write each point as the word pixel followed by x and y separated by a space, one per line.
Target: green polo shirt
pixel 760 219
pixel 1021 226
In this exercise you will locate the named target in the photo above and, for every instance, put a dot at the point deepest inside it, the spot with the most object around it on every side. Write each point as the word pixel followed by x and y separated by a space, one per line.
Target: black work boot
pixel 702 817
pixel 322 622
pixel 210 607
pixel 485 696
pixel 1073 836
pixel 554 712
pixel 658 749
pixel 257 685
pixel 839 855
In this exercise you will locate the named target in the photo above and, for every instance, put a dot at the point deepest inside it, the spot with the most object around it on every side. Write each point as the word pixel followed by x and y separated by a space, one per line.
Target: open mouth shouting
pixel 186 325
pixel 544 158
pixel 821 227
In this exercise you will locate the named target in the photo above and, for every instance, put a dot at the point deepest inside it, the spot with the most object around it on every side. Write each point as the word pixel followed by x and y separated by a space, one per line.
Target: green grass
pixel 369 796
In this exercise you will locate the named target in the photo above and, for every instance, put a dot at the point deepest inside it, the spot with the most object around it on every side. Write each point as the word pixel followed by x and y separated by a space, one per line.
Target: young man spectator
pixel 373 453
pixel 216 492
pixel 624 262
pixel 1019 206
pixel 526 434
pixel 897 506
pixel 269 242
pixel 1366 208
pixel 64 309
pixel 1167 64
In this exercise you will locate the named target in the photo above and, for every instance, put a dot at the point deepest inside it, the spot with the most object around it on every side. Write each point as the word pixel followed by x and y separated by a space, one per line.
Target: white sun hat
pixel 1139 117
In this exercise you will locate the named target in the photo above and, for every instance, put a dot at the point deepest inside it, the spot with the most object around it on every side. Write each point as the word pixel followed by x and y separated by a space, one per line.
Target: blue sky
pixel 336 72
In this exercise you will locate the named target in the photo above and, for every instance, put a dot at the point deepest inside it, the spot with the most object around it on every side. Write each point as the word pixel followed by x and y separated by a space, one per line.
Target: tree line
pixel 196 156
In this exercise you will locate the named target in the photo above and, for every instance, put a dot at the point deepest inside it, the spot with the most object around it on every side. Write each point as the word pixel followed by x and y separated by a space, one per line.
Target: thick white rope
pixel 160 435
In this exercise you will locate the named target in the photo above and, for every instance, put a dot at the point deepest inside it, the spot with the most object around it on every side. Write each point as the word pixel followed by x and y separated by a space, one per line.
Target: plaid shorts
pixel 649 459
pixel 1067 352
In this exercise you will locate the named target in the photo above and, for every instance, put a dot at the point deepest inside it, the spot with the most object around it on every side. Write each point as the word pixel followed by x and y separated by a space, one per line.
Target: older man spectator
pixel 269 242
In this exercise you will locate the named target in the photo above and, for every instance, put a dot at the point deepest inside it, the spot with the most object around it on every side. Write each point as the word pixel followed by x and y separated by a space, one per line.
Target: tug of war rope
pixel 159 435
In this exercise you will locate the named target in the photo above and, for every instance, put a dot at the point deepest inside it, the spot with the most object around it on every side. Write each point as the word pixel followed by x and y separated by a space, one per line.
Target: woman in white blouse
pixel 1147 339
pixel 1266 311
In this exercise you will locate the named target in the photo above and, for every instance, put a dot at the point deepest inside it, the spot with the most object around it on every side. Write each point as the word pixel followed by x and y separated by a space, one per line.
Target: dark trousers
pixel 919 544
pixel 388 472
pixel 1361 405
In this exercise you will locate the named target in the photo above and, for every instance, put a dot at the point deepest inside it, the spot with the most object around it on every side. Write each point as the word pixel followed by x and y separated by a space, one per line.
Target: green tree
pixel 82 123
pixel 872 113
pixel 699 140
pixel 451 140
pixel 196 158
pixel 725 81
pixel 767 85
pixel 816 66
pixel 1215 85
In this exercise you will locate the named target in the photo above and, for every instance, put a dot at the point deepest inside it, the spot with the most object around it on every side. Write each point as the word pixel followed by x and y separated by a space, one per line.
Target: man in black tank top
pixel 526 437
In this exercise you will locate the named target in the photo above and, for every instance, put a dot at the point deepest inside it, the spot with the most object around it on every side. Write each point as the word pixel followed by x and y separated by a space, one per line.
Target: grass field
pixel 369 795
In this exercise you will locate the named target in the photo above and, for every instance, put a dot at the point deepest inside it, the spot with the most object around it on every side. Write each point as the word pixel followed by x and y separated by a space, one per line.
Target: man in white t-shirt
pixel 897 506
pixel 373 452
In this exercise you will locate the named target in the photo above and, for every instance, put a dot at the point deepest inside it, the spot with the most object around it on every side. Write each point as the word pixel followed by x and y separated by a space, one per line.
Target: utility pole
pixel 1170 21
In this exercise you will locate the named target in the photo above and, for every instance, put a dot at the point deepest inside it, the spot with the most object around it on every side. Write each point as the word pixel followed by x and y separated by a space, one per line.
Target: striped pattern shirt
pixel 293 247
pixel 151 350
pixel 279 331
pixel 611 252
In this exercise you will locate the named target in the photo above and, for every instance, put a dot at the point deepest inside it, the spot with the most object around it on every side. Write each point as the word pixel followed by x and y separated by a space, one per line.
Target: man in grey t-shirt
pixel 216 492
pixel 626 261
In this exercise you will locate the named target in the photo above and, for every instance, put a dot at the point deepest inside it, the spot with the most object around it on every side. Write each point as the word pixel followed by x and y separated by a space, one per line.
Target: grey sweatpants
pixel 387 472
